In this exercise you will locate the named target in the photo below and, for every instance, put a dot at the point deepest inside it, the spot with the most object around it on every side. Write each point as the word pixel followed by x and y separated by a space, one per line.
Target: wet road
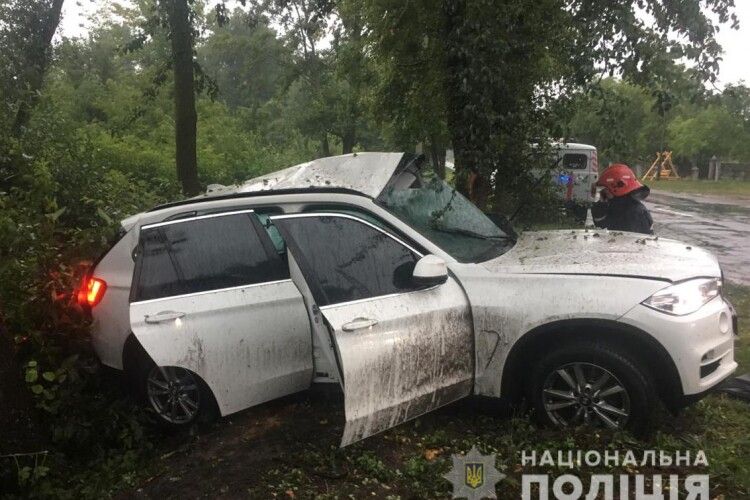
pixel 719 225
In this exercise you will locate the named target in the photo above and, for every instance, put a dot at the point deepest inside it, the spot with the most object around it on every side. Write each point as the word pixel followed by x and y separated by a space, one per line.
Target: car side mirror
pixel 430 270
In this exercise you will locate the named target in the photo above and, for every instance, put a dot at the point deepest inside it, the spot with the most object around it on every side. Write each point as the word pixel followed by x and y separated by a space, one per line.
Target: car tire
pixel 178 397
pixel 590 383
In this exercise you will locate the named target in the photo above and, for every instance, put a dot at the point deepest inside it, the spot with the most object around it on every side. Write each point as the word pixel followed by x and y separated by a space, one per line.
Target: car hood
pixel 602 252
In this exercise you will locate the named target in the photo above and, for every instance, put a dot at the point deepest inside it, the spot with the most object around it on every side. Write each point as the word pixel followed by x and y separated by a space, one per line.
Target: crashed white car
pixel 362 271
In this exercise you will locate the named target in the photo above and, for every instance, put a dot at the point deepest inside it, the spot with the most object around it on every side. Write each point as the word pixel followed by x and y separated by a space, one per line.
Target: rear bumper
pixel 700 344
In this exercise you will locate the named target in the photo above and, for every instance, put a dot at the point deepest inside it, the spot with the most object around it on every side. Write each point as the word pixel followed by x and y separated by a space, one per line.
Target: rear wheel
pixel 593 385
pixel 178 396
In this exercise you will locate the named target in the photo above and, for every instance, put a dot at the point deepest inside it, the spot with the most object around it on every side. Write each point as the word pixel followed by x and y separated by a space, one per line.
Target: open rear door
pixel 211 295
pixel 403 350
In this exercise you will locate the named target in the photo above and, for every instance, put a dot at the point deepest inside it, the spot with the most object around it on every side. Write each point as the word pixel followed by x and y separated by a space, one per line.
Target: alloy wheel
pixel 585 394
pixel 173 393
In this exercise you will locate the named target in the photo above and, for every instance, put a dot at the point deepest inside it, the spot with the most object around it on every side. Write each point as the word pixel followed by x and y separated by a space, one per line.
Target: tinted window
pixel 575 161
pixel 157 275
pixel 205 254
pixel 348 260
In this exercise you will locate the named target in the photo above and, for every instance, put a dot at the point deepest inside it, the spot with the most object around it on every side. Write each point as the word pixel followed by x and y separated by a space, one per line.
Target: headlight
pixel 686 297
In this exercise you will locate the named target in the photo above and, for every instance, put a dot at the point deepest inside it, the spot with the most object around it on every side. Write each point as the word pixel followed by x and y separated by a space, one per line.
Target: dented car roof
pixel 364 173
pixel 367 173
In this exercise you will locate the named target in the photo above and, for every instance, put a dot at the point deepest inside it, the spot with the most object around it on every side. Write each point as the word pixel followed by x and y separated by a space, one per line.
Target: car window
pixel 205 254
pixel 158 277
pixel 360 213
pixel 346 259
pixel 575 161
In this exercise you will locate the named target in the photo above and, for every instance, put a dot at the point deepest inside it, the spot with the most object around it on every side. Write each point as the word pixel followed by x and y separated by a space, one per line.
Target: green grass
pixel 728 187
pixel 740 298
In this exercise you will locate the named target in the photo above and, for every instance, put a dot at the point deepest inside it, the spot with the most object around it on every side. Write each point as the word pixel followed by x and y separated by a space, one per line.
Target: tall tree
pixel 26 31
pixel 505 63
pixel 305 23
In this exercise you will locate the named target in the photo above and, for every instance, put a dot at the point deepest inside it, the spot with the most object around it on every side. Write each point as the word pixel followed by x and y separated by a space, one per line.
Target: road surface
pixel 721 225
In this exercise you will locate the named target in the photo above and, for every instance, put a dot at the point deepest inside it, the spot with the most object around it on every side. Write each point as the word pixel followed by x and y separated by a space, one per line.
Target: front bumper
pixel 701 344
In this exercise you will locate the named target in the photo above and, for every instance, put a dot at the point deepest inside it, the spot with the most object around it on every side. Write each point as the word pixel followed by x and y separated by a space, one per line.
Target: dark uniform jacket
pixel 626 213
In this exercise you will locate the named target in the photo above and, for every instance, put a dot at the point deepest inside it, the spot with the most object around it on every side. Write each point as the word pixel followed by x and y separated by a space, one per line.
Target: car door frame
pixel 364 415
pixel 192 349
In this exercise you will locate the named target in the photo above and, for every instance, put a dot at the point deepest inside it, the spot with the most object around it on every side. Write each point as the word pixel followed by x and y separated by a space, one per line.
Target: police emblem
pixel 474 475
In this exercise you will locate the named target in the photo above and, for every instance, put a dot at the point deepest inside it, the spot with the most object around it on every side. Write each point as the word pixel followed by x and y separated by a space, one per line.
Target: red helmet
pixel 620 180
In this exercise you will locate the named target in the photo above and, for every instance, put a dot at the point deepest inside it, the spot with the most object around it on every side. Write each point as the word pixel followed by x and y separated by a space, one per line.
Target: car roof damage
pixel 366 173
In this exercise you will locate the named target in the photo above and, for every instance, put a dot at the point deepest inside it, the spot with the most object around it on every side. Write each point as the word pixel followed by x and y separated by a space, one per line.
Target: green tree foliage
pixel 506 64
pixel 628 124
pixel 710 131
pixel 247 59
pixel 25 38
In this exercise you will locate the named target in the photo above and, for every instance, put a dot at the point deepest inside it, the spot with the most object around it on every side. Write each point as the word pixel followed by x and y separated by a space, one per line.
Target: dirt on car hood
pixel 602 252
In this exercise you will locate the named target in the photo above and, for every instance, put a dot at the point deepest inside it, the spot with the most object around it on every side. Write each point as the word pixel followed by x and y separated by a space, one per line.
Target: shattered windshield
pixel 445 217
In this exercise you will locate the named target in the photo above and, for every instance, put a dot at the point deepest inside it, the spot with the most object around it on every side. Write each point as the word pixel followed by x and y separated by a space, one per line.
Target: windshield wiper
pixel 469 233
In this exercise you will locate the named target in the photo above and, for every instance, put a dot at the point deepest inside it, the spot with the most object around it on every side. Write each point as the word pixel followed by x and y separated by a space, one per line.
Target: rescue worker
pixel 621 208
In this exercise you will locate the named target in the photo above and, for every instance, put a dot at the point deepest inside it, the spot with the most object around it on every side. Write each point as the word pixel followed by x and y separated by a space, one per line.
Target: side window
pixel 360 213
pixel 157 276
pixel 348 259
pixel 205 254
pixel 575 161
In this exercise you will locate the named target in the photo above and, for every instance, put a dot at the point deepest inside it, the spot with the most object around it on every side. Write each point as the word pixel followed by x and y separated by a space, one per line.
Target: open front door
pixel 403 349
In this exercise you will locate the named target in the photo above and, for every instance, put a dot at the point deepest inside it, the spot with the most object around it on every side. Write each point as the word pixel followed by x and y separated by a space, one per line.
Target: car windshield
pixel 445 217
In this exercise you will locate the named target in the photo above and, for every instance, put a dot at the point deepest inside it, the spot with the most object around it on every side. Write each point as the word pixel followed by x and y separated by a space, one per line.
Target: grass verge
pixel 728 187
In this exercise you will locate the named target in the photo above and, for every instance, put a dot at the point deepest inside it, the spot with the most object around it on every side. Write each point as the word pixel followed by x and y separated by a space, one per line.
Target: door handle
pixel 163 316
pixel 358 324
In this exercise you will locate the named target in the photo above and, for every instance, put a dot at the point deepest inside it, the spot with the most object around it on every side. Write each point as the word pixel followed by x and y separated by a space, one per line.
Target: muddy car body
pixel 362 271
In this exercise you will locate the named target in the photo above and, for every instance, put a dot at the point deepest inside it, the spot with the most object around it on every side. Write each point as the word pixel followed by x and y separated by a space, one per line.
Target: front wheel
pixel 593 385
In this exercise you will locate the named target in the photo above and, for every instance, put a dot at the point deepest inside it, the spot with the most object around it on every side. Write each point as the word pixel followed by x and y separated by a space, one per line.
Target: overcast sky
pixel 734 67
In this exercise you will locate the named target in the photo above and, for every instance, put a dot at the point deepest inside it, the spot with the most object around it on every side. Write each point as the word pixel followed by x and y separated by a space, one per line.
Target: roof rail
pixel 252 194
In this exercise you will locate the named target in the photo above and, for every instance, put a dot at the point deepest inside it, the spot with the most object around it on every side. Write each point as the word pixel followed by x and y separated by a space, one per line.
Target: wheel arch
pixel 637 343
pixel 136 361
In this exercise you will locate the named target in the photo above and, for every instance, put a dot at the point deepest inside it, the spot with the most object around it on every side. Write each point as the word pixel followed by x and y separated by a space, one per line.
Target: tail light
pixel 594 162
pixel 91 291
pixel 594 171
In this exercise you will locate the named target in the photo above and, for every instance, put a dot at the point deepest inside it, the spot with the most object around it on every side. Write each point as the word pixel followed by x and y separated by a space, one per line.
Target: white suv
pixel 362 271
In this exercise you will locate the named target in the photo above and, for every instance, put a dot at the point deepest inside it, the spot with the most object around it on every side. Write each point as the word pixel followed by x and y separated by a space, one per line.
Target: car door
pixel 211 294
pixel 402 349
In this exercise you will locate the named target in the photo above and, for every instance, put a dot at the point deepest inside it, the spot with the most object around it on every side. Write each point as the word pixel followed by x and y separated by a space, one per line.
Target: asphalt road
pixel 721 225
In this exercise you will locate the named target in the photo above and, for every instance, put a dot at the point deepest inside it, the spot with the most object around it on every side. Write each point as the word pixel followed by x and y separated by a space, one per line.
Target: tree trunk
pixel 349 139
pixel 456 97
pixel 437 156
pixel 37 59
pixel 468 120
pixel 325 148
pixel 186 117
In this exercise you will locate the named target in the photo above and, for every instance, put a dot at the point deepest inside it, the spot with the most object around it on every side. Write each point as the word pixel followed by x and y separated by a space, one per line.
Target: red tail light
pixel 91 291
pixel 594 161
